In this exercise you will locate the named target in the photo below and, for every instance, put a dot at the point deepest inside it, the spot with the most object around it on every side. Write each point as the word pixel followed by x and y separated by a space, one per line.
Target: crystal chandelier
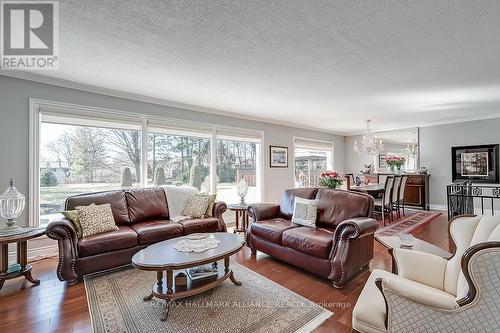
pixel 369 144
pixel 411 150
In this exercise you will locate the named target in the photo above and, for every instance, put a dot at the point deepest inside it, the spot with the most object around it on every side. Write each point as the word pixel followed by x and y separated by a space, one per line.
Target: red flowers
pixel 331 179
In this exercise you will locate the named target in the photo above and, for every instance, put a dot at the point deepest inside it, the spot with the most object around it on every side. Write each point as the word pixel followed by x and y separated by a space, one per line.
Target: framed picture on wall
pixel 381 161
pixel 478 164
pixel 278 157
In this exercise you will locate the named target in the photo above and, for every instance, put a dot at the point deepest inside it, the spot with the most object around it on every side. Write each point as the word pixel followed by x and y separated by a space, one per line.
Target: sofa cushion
pixel 272 229
pixel 157 230
pixel 313 241
pixel 288 199
pixel 115 198
pixel 123 238
pixel 200 225
pixel 146 204
pixel 336 206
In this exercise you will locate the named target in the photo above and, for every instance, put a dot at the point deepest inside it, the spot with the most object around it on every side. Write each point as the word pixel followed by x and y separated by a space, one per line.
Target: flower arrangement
pixel 331 179
pixel 395 161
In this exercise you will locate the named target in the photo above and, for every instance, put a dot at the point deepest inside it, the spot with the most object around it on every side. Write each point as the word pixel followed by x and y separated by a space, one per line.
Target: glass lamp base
pixel 10 225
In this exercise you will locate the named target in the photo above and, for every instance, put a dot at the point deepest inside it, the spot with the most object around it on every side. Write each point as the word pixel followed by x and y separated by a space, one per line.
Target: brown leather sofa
pixel 340 246
pixel 142 218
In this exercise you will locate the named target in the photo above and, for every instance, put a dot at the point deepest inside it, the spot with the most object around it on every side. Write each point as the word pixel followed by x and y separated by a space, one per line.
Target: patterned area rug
pixel 406 224
pixel 258 305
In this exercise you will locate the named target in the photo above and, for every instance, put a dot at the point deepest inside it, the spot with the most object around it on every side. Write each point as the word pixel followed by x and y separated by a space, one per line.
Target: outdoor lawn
pixel 52 198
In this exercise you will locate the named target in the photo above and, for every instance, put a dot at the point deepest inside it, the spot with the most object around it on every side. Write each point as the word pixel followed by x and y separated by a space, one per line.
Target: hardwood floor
pixel 55 307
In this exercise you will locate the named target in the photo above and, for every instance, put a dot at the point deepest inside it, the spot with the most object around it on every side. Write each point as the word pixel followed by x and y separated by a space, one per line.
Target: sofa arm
pixel 219 209
pixel 260 212
pixel 352 249
pixel 409 265
pixel 64 232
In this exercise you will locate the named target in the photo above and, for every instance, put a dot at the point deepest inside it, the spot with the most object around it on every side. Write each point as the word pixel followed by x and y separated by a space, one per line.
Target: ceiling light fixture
pixel 370 145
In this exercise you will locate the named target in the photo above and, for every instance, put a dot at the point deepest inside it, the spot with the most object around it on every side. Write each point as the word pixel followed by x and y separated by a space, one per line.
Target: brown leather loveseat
pixel 340 246
pixel 142 218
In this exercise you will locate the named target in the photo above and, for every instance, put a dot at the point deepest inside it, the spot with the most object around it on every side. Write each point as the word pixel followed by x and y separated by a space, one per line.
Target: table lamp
pixel 11 206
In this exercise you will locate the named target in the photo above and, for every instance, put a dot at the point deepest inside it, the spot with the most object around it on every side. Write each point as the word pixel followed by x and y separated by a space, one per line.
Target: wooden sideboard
pixel 416 191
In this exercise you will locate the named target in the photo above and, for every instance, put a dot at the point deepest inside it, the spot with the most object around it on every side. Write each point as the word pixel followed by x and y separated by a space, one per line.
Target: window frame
pixel 38 106
pixel 325 142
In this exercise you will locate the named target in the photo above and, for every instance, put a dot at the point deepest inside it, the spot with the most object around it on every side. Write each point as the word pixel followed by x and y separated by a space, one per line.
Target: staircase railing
pixel 468 198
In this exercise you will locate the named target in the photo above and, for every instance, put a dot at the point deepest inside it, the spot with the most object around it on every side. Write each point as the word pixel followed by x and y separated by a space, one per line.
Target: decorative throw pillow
pixel 211 203
pixel 72 215
pixel 96 219
pixel 305 212
pixel 196 206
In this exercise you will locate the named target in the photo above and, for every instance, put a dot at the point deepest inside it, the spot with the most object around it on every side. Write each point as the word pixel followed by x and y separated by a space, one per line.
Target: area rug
pixel 258 305
pixel 406 224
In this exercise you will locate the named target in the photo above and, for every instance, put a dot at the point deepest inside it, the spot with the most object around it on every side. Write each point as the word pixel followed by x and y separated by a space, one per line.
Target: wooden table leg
pixel 231 276
pixel 4 262
pixel 237 226
pixel 170 281
pixel 22 259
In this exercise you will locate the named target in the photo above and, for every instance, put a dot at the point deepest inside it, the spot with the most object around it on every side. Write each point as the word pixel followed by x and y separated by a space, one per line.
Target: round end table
pixel 22 255
pixel 241 216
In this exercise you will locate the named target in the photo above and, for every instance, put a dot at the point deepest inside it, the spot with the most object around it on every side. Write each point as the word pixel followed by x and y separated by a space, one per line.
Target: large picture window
pixel 78 150
pixel 311 158
pixel 81 156
pixel 179 159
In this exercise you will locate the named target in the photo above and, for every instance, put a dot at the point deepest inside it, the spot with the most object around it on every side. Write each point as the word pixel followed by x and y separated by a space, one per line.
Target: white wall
pixel 14 136
pixel 435 150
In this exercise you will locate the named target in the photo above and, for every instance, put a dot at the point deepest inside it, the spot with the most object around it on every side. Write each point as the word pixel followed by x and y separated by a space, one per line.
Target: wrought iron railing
pixel 468 198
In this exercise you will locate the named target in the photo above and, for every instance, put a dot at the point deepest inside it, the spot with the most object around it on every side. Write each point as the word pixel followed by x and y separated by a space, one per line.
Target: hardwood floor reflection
pixel 55 307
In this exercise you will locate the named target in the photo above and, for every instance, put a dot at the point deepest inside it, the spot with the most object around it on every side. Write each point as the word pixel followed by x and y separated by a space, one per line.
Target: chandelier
pixel 411 150
pixel 369 144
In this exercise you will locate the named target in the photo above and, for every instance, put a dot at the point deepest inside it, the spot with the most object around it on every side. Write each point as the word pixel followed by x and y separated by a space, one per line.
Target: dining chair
pixel 381 178
pixel 351 179
pixel 385 203
pixel 401 197
pixel 395 195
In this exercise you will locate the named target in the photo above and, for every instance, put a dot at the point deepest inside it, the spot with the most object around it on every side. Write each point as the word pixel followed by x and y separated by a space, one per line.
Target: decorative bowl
pixel 196 236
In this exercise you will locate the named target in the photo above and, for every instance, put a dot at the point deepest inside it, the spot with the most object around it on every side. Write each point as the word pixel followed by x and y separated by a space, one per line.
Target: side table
pixel 241 216
pixel 393 242
pixel 22 256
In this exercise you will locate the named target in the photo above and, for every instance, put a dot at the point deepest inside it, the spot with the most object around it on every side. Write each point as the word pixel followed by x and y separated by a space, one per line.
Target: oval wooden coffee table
pixel 162 257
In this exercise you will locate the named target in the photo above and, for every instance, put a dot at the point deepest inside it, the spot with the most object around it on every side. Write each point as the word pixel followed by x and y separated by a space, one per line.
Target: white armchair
pixel 432 294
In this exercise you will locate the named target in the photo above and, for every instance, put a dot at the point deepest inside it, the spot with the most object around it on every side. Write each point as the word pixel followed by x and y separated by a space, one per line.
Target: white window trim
pixel 67 109
pixel 295 138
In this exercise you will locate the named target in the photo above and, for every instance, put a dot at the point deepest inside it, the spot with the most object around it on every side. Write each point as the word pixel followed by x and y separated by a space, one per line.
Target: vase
pixel 399 168
pixel 393 168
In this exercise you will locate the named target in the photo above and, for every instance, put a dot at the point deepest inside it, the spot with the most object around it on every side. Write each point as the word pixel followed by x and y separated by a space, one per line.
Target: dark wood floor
pixel 54 307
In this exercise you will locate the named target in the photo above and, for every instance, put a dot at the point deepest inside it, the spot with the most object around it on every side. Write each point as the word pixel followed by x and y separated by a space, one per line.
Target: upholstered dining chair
pixel 432 294
pixel 381 178
pixel 401 196
pixel 395 195
pixel 385 203
pixel 350 176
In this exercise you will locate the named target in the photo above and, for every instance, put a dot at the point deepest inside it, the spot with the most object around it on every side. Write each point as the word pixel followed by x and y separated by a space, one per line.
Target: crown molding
pixel 29 76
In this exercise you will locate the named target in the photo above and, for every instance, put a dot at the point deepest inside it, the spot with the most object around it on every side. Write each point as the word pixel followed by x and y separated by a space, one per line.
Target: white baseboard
pixel 37 253
pixel 439 207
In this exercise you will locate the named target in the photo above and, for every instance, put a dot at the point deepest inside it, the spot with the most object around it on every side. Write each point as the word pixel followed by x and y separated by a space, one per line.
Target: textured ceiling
pixel 321 64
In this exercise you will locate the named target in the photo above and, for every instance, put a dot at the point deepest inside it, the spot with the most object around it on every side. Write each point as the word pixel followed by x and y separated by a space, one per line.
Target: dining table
pixel 373 189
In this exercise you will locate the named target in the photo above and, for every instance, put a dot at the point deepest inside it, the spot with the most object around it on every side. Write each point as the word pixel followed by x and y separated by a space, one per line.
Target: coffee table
pixel 393 242
pixel 162 257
